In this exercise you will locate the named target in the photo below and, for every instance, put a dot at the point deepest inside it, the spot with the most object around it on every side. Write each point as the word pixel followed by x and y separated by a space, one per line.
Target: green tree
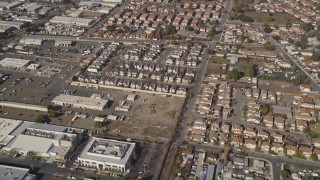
pixel 290 40
pixel 52 114
pixel 299 79
pixel 212 32
pixel 285 174
pixel 276 37
pixel 264 110
pixel 98 124
pixel 268 46
pixel 49 107
pixel 171 29
pixel 42 118
pixel 288 24
pixel 244 18
pixel 314 157
pixel 307 27
pixel 234 74
pixel 252 71
pixel 210 51
pixel 267 28
pixel 299 155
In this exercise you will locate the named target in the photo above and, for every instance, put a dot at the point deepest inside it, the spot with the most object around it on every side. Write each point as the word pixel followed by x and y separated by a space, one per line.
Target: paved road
pixel 276 161
pixel 287 57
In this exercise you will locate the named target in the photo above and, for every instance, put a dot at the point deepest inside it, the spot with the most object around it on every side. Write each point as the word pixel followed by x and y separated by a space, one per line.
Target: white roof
pixel 31 143
pixel 13 62
pixel 11 172
pixel 108 150
pixel 78 100
pixel 7 126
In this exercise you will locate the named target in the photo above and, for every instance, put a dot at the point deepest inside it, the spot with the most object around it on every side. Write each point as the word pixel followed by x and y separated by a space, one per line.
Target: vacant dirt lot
pixel 280 18
pixel 153 118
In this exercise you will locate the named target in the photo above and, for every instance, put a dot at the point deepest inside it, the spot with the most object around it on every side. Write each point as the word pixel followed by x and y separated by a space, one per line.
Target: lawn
pixel 250 163
pixel 280 18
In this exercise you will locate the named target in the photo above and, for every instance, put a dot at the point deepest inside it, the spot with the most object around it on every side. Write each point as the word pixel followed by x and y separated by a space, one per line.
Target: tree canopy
pixel 234 74
pixel 42 118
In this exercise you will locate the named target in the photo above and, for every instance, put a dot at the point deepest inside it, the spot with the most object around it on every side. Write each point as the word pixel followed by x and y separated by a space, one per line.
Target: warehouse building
pixel 16 173
pixel 32 41
pixel 13 5
pixel 107 154
pixel 13 62
pixel 80 102
pixel 7 126
pixel 17 25
pixel 82 22
pixel 32 7
pixel 43 140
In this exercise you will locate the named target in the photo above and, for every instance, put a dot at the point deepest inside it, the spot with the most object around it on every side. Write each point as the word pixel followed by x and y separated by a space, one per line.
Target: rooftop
pixel 7 126
pixel 11 172
pixel 13 62
pixel 85 101
pixel 107 150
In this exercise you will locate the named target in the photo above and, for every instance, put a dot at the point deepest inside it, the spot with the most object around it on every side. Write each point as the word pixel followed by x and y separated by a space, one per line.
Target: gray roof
pixel 11 172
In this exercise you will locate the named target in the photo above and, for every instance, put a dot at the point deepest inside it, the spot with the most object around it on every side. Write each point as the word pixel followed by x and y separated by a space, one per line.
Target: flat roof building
pixel 17 173
pixel 72 21
pixel 80 102
pixel 32 41
pixel 17 25
pixel 7 126
pixel 13 62
pixel 13 5
pixel 41 139
pixel 106 154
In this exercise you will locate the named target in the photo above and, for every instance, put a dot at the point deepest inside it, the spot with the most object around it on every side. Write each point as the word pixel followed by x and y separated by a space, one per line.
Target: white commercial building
pixel 83 22
pixel 80 102
pixel 16 173
pixel 13 62
pixel 40 139
pixel 32 41
pixel 107 154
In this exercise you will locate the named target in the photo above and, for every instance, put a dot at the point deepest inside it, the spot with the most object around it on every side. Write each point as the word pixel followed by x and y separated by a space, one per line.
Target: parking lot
pixel 77 51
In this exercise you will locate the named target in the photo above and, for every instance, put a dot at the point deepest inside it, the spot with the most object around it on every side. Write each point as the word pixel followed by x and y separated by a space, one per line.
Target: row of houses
pixel 302 11
pixel 98 64
pixel 144 52
pixel 261 94
pixel 193 59
pixel 145 71
pixel 133 84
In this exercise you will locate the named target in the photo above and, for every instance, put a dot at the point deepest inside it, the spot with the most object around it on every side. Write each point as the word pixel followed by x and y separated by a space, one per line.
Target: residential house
pixel 277 137
pixel 236 141
pixel 263 134
pixel 279 122
pixel 250 144
pixel 250 132
pixel 265 146
pixel 237 129
pixel 223 139
pixel 301 125
pixel 291 150
pixel 316 142
pixel 268 121
pixel 307 151
pixel 290 124
pixel 277 148
pixel 225 128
